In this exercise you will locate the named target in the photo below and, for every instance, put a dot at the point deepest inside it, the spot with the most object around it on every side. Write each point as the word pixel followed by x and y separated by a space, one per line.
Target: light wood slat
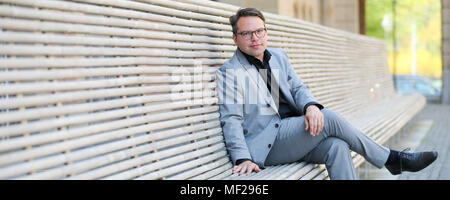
pixel 312 174
pixel 88 20
pixel 389 127
pixel 323 176
pixel 179 14
pixel 381 125
pixel 113 155
pixel 22 12
pixel 55 136
pixel 290 171
pixel 86 165
pixel 408 112
pixel 314 50
pixel 277 41
pixel 148 7
pixel 22 37
pixel 133 12
pixel 47 87
pixel 282 34
pixel 301 172
pixel 131 173
pixel 233 9
pixel 277 173
pixel 201 90
pixel 112 125
pixel 100 51
pixel 95 106
pixel 199 170
pixel 183 166
pixel 266 171
pixel 321 57
pixel 101 172
pixel 116 51
pixel 8 158
pixel 36 75
pixel 92 107
pixel 58 27
pixel 272 18
pixel 214 172
pixel 315 61
pixel 224 175
pixel 177 84
pixel 101 62
pixel 49 99
pixel 189 7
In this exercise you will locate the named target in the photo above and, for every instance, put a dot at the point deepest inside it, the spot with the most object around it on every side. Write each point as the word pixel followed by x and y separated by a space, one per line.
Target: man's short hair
pixel 244 12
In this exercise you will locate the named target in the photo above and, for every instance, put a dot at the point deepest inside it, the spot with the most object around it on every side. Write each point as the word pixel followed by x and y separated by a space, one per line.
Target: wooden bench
pixel 111 89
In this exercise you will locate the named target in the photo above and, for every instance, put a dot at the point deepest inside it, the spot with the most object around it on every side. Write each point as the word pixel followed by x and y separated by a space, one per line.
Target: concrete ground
pixel 429 130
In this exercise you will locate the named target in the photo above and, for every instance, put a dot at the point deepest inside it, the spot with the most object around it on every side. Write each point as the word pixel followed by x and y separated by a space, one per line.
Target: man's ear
pixel 235 39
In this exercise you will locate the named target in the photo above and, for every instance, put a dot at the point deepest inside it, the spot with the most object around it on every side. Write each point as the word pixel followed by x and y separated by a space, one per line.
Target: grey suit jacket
pixel 248 112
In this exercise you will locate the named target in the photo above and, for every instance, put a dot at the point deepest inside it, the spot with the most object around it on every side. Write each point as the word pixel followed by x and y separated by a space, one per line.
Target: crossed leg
pixel 293 143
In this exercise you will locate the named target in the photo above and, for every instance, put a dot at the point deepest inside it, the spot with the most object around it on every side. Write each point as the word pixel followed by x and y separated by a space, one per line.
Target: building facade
pixel 348 15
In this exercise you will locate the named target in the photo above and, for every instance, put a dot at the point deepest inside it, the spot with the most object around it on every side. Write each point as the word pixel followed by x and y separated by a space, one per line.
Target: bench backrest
pixel 93 89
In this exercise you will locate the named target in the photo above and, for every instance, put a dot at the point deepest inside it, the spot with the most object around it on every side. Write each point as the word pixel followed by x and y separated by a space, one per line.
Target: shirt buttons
pixel 270 145
pixel 277 125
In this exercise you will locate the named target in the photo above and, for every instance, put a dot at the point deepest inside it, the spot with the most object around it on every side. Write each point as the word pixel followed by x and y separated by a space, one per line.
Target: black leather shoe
pixel 412 162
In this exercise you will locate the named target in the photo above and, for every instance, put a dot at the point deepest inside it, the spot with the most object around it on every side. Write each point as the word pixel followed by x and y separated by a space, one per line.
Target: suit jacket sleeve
pixel 300 92
pixel 231 115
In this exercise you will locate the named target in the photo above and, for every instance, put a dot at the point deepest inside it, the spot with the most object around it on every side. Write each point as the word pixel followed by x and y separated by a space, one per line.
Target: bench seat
pixel 371 120
pixel 125 89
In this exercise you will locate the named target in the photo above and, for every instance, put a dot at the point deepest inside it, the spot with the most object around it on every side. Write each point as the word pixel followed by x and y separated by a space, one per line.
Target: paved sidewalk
pixel 429 130
pixel 438 138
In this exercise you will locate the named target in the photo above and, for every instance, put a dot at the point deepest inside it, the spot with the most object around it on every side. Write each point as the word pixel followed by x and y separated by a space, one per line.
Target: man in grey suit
pixel 269 116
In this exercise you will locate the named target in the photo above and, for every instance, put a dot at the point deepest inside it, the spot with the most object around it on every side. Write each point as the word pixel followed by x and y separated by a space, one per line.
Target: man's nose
pixel 253 37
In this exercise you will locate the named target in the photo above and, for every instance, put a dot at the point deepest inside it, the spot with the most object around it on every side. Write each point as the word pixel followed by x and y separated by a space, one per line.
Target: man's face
pixel 254 46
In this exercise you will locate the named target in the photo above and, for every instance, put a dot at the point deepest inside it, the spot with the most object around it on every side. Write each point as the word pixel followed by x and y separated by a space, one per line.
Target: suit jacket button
pixel 276 125
pixel 245 131
pixel 270 145
pixel 268 105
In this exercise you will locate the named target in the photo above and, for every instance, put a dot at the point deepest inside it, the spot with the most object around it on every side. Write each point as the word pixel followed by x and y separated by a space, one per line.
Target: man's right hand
pixel 246 167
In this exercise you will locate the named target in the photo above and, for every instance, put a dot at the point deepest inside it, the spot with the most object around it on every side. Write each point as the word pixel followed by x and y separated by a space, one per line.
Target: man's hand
pixel 314 120
pixel 246 167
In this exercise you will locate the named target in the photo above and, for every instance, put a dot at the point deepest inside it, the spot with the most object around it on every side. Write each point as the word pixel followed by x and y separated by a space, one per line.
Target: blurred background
pixel 412 30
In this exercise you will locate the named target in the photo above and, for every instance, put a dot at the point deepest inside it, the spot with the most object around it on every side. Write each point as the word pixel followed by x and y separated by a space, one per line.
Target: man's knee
pixel 338 146
pixel 327 113
pixel 339 149
pixel 331 117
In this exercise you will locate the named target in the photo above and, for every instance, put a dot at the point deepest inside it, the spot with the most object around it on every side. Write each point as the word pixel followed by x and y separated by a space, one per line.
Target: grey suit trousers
pixel 331 147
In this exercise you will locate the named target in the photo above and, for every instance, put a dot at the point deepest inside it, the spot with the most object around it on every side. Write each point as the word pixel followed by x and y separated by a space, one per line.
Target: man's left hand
pixel 314 120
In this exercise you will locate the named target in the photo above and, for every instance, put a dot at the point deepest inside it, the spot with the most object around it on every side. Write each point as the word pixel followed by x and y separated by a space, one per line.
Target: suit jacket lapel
pixel 284 87
pixel 256 78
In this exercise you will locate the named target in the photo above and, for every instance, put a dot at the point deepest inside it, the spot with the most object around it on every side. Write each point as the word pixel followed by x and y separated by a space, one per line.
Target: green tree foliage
pixel 426 14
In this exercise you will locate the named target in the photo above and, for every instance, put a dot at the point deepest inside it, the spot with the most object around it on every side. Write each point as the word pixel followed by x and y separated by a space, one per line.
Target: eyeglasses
pixel 248 34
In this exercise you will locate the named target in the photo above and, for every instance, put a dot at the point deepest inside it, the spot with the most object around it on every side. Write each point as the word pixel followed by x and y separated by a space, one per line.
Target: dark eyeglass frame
pixel 261 32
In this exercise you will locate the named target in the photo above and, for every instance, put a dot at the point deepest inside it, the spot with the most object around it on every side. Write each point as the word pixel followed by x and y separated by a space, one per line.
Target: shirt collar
pixel 255 61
